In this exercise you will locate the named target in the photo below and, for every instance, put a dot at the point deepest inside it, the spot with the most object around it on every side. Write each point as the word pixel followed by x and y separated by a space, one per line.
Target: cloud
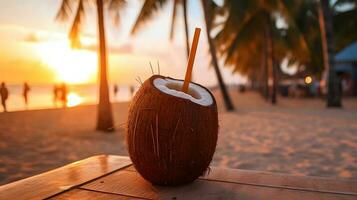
pixel 124 49
pixel 89 41
pixel 32 37
pixel 42 36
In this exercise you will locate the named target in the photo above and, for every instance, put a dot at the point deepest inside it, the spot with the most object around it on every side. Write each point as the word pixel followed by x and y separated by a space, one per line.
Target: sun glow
pixel 70 65
pixel 74 99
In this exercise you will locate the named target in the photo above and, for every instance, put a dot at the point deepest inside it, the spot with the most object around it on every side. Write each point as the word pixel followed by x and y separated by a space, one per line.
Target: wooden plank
pixel 282 180
pixel 61 179
pixel 126 182
pixel 80 194
pixel 251 177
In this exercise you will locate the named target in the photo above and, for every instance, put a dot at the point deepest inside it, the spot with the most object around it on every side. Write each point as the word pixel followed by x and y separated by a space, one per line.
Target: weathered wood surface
pixel 79 194
pixel 52 182
pixel 112 177
pixel 250 177
pixel 225 184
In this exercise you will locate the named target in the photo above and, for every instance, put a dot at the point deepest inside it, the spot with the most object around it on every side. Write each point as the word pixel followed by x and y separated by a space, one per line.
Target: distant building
pixel 346 68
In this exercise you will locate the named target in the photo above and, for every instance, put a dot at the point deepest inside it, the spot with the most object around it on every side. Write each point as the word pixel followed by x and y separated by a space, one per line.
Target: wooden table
pixel 114 177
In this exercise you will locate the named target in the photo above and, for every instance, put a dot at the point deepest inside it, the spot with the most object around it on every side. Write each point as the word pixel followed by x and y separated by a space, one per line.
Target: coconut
pixel 171 135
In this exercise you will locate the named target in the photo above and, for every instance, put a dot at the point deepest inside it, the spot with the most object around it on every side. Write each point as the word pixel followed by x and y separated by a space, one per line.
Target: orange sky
pixel 34 47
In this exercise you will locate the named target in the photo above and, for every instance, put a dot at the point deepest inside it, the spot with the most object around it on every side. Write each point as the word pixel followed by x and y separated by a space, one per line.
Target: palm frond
pixel 74 34
pixel 212 11
pixel 287 7
pixel 241 41
pixel 345 28
pixel 65 10
pixel 115 6
pixel 148 9
pixel 239 13
pixel 173 19
pixel 246 35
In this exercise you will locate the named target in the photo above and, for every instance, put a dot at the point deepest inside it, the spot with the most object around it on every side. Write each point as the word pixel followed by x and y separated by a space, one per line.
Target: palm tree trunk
pixel 227 100
pixel 270 58
pixel 274 99
pixel 334 90
pixel 186 28
pixel 264 74
pixel 105 117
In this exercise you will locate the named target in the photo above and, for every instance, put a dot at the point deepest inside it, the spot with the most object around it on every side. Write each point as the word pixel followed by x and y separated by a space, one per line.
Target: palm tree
pixel 104 116
pixel 242 43
pixel 327 30
pixel 334 91
pixel 150 6
pixel 310 19
pixel 209 8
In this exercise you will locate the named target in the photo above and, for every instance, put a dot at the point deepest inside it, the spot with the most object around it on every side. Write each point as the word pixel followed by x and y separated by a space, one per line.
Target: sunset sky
pixel 34 47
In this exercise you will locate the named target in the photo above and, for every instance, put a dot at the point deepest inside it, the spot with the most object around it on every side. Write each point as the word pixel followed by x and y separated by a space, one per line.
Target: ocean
pixel 42 97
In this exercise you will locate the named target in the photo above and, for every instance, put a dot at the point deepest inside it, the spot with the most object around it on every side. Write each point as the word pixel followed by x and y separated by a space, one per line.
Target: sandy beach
pixel 298 136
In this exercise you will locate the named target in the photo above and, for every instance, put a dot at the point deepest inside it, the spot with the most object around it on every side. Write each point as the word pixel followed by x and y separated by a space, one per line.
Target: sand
pixel 299 136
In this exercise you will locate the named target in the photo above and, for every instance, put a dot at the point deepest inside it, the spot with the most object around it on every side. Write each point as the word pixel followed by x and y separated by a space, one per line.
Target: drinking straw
pixel 191 60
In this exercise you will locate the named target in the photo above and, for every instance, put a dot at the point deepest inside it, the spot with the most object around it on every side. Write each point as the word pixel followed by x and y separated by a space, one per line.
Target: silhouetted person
pixel 63 94
pixel 115 90
pixel 25 92
pixel 4 93
pixel 56 94
pixel 132 90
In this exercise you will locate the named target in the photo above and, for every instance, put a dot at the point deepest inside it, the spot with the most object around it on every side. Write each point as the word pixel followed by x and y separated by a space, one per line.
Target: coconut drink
pixel 172 128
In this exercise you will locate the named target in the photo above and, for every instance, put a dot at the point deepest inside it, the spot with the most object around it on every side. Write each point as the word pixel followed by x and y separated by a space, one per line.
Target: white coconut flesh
pixel 196 93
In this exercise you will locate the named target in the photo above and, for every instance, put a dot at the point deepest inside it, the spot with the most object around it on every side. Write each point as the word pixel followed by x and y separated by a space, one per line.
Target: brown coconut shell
pixel 170 140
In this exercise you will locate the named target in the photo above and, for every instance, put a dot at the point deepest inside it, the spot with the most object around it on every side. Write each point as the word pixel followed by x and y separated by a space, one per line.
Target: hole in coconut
pixel 196 93
pixel 178 87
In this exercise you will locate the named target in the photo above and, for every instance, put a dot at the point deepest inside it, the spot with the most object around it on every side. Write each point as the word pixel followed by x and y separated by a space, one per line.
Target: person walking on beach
pixel 56 91
pixel 25 92
pixel 63 93
pixel 4 93
pixel 115 90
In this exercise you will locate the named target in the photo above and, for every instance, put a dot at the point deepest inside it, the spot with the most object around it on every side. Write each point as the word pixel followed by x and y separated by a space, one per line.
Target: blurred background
pixel 284 74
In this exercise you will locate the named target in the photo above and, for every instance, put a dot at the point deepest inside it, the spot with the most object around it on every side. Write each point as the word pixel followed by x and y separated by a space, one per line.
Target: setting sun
pixel 70 65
